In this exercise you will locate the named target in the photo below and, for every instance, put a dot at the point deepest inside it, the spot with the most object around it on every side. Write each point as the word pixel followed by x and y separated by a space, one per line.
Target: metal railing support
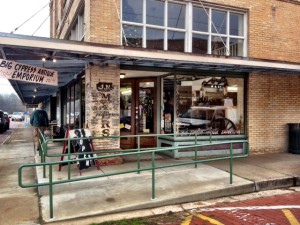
pixel 153 175
pixel 138 152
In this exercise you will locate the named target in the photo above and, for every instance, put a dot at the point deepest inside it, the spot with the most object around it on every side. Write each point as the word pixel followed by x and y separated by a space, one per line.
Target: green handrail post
pixel 139 154
pixel 153 168
pixel 153 175
pixel 231 163
pixel 43 156
pixel 50 191
pixel 69 157
pixel 210 138
pixel 196 151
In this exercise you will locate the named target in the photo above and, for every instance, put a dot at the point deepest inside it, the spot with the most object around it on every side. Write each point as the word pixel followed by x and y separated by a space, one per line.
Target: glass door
pixel 138 112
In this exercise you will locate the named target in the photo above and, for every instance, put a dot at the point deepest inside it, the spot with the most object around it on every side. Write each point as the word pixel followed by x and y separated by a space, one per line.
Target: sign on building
pixel 17 71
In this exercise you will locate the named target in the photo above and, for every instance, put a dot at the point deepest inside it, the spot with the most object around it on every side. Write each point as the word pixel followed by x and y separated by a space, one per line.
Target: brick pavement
pixel 283 209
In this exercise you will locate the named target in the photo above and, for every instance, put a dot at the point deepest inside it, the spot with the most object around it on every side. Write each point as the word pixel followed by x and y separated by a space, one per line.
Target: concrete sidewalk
pixel 113 197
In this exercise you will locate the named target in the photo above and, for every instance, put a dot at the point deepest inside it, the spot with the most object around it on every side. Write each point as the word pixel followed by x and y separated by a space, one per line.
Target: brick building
pixel 261 103
pixel 216 69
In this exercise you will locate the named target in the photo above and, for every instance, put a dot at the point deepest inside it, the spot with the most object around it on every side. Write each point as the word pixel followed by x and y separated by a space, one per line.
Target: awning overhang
pixel 72 56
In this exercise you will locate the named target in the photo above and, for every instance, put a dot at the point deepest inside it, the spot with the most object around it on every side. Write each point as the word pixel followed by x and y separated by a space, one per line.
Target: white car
pixel 18 116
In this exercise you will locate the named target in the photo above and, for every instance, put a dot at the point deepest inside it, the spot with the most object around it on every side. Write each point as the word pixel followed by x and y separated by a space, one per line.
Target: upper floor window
pixel 77 32
pixel 185 27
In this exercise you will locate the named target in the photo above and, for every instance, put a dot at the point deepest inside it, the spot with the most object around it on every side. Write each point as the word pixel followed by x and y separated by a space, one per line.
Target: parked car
pixel 18 116
pixel 6 121
pixel 2 122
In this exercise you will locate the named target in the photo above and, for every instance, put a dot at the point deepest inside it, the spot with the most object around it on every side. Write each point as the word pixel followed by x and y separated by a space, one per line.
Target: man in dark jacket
pixel 39 120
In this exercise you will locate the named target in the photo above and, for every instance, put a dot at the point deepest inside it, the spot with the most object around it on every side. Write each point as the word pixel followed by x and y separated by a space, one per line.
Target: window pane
pixel 236 24
pixel 134 36
pixel 236 47
pixel 209 105
pixel 219 22
pixel 176 41
pixel 200 20
pixel 176 15
pixel 200 43
pixel 77 106
pixel 145 112
pixel 132 10
pixel 71 115
pixel 218 45
pixel 155 12
pixel 155 39
pixel 168 104
pixel 125 108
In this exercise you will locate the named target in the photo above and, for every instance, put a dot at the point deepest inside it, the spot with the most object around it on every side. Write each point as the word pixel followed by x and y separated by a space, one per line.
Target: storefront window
pixel 72 110
pixel 77 123
pixel 58 109
pixel 203 105
pixel 67 108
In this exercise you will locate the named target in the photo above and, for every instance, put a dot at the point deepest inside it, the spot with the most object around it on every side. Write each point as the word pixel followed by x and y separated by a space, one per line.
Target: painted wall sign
pixel 17 71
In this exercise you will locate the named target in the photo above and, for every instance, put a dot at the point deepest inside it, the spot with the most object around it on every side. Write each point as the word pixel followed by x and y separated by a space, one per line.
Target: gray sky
pixel 14 13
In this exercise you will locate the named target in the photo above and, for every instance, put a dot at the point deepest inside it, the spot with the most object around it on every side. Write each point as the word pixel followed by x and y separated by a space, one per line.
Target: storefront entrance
pixel 138 112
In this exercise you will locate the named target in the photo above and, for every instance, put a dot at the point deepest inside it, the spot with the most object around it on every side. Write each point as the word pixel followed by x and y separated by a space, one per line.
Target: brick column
pixel 103 106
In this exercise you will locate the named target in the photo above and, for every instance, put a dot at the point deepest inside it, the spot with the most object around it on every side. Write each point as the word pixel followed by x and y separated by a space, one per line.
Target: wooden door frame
pixel 135 104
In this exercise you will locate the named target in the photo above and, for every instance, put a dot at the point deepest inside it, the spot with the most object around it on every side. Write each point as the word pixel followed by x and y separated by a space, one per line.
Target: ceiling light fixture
pixel 122 75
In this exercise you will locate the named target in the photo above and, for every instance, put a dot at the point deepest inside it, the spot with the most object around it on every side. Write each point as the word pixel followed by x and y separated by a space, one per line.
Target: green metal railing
pixel 120 153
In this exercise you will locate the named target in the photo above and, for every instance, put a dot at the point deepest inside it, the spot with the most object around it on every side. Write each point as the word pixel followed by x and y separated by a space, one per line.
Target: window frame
pixel 188 30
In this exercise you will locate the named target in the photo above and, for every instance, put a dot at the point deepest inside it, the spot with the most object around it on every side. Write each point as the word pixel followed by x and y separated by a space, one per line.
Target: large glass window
pixel 78 29
pixel 203 105
pixel 77 115
pixel 145 24
pixel 72 107
pixel 184 27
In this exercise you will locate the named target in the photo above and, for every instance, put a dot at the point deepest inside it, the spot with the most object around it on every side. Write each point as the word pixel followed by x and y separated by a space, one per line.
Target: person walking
pixel 39 120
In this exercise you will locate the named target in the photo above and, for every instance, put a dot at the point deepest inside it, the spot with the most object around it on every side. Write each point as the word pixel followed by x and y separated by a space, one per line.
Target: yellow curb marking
pixel 291 218
pixel 200 216
pixel 187 220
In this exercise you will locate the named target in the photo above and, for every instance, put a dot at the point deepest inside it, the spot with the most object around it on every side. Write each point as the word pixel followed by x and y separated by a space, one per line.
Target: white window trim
pixel 189 27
